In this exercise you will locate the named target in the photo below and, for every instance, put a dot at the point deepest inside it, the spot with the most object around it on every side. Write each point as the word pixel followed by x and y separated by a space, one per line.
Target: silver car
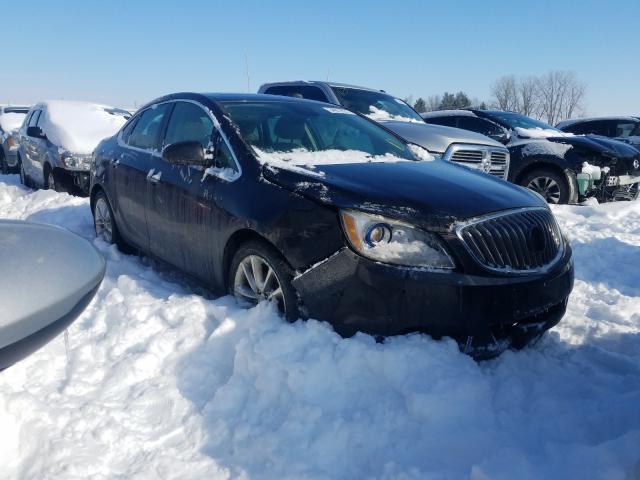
pixel 11 117
pixel 56 141
pixel 456 145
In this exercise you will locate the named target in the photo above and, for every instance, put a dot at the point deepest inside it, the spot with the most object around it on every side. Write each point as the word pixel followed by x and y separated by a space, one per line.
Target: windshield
pixel 515 120
pixel 375 105
pixel 309 133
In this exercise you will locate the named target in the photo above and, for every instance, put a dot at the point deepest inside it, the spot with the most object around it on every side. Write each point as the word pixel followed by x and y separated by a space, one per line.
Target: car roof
pixel 574 121
pixel 323 82
pixel 448 113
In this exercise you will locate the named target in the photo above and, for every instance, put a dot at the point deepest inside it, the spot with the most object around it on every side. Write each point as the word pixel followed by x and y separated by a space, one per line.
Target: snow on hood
pixel 11 121
pixel 379 115
pixel 79 126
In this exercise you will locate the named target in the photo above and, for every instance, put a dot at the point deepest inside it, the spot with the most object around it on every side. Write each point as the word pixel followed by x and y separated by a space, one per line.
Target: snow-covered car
pixel 11 117
pixel 624 129
pixel 456 145
pixel 332 217
pixel 35 304
pixel 562 167
pixel 56 141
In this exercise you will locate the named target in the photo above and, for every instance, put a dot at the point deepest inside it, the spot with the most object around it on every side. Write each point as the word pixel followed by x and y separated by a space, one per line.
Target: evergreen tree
pixel 462 101
pixel 448 101
pixel 420 106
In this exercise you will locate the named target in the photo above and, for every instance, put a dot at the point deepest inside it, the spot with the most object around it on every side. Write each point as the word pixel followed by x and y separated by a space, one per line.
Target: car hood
pixel 437 138
pixel 432 193
pixel 602 145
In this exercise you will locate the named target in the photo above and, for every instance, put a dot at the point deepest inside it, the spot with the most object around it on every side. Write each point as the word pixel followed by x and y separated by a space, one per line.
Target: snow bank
pixel 78 127
pixel 160 381
pixel 11 121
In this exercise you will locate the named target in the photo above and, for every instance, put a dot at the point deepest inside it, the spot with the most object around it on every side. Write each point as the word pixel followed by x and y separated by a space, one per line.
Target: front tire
pixel 257 273
pixel 548 183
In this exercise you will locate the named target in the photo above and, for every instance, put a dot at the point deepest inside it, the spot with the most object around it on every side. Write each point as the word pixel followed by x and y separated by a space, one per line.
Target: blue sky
pixel 126 52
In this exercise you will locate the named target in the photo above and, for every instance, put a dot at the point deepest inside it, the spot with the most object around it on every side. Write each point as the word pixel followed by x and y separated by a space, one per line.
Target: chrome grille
pixel 492 160
pixel 524 240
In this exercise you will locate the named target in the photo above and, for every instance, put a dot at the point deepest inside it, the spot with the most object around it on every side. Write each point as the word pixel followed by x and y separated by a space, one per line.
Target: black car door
pixel 131 167
pixel 183 213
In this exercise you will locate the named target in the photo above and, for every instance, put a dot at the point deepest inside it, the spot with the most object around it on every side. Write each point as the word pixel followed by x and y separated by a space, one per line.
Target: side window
pixel 624 129
pixel 595 128
pixel 189 122
pixel 147 128
pixel 126 133
pixel 479 125
pixel 35 116
pixel 224 158
pixel 447 121
pixel 308 92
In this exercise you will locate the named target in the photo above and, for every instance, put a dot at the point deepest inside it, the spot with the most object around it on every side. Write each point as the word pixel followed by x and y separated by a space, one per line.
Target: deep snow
pixel 160 381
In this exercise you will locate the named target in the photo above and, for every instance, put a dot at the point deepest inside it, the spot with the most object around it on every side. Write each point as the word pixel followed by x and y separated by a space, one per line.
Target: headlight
pixel 75 162
pixel 391 241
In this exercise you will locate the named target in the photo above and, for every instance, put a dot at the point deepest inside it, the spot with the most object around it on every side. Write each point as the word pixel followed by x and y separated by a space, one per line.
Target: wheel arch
pixel 238 238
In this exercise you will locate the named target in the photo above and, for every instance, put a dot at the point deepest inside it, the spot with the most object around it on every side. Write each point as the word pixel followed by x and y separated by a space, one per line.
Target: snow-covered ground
pixel 159 381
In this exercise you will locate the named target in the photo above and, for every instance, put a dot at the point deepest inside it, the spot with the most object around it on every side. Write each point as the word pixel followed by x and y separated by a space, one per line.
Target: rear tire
pixel 104 223
pixel 258 272
pixel 548 183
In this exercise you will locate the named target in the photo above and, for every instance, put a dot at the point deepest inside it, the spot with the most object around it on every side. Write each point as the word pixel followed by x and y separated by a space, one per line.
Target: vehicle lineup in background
pixel 11 117
pixel 56 141
pixel 296 201
pixel 562 167
pixel 456 145
pixel 624 129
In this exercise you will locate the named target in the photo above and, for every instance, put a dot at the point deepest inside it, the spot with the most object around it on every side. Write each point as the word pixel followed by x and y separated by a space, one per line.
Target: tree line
pixel 552 97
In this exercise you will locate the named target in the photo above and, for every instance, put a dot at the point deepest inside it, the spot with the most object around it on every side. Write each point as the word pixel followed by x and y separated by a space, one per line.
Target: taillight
pixel 11 142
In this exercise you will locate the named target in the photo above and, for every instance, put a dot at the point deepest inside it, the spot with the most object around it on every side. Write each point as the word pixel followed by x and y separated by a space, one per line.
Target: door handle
pixel 153 176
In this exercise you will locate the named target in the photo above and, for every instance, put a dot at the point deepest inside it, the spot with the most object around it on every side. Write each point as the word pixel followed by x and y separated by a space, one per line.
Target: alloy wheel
pixel 102 220
pixel 547 187
pixel 255 280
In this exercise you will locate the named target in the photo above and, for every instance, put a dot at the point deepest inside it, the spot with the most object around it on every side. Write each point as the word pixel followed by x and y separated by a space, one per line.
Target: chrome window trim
pixel 458 227
pixel 486 153
pixel 158 153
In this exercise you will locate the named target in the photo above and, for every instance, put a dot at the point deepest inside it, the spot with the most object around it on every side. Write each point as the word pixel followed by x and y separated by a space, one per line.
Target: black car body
pixel 624 129
pixel 563 167
pixel 487 263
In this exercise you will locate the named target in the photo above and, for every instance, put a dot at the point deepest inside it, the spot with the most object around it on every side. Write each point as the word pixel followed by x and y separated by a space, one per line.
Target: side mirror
pixel 501 137
pixel 185 153
pixel 35 132
pixel 49 275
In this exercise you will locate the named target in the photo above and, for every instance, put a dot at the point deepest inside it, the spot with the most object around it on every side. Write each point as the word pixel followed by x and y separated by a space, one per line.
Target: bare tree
pixel 528 96
pixel 561 95
pixel 505 93
pixel 433 103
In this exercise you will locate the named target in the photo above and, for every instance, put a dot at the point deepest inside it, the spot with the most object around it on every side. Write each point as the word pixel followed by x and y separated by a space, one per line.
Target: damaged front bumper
pixel 599 182
pixel 485 314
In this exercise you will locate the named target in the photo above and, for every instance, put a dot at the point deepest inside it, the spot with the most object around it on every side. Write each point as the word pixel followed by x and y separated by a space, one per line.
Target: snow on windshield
pixel 11 121
pixel 308 159
pixel 541 132
pixel 380 115
pixel 79 126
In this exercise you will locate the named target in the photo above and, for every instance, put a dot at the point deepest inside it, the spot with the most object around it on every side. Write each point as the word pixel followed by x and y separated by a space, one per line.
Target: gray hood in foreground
pixel 437 138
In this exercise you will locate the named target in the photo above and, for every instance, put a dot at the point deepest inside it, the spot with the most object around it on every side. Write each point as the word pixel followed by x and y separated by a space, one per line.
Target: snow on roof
pixel 572 121
pixel 79 126
pixel 11 121
pixel 447 113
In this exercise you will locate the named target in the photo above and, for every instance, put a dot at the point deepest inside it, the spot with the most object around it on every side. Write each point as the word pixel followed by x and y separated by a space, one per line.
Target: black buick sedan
pixel 332 217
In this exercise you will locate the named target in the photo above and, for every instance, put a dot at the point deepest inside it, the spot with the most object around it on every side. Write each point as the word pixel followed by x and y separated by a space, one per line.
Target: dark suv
pixel 332 217
pixel 625 129
pixel 562 167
